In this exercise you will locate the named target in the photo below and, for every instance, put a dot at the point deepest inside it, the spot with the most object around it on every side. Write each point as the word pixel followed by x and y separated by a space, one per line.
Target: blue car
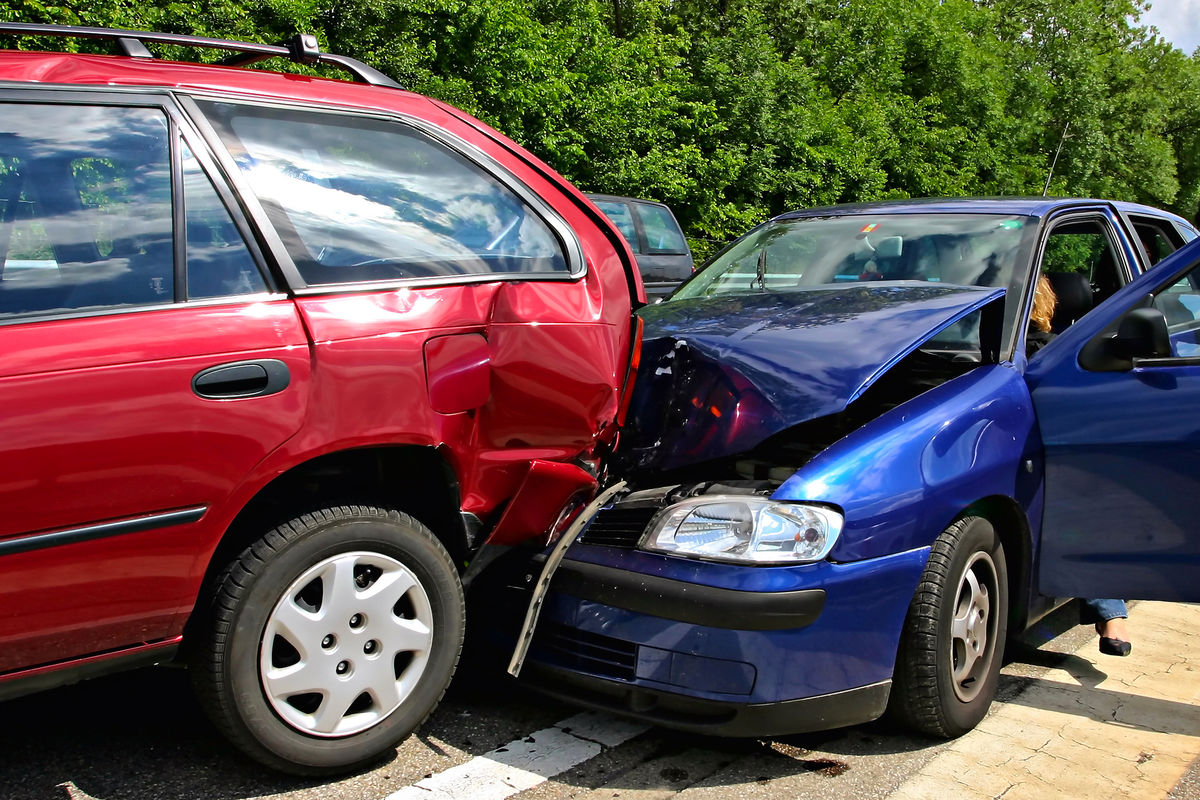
pixel 845 479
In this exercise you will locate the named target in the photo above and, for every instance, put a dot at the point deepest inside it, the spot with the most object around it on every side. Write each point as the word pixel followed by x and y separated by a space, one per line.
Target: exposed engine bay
pixel 704 400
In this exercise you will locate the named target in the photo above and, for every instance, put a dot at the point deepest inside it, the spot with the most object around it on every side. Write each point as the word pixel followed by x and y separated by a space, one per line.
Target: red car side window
pixel 362 199
pixel 87 215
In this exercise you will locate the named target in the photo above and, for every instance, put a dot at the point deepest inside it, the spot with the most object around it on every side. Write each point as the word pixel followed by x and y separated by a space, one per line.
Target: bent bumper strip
pixel 525 637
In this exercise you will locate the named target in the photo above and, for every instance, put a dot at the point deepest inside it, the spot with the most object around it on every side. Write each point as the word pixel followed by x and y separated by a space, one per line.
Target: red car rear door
pixel 146 368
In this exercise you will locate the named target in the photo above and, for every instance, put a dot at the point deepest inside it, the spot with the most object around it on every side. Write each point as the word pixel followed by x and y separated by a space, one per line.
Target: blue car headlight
pixel 755 530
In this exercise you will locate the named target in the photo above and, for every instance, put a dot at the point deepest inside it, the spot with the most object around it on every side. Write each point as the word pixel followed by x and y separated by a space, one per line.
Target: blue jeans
pixel 1093 611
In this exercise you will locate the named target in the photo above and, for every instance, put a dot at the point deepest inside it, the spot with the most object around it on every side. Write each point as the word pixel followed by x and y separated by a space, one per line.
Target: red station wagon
pixel 281 354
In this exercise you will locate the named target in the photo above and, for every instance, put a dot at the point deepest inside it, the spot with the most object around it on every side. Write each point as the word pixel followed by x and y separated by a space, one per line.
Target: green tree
pixel 735 110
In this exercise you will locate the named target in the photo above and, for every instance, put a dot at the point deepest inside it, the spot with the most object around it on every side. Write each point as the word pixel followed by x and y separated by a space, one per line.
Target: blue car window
pixel 961 249
pixel 1180 304
pixel 1159 237
pixel 1076 250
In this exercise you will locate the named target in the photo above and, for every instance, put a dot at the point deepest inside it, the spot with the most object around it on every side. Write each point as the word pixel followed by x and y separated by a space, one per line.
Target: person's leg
pixel 1109 618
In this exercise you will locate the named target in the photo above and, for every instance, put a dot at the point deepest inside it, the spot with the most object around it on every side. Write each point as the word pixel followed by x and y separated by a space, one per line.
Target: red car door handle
pixel 241 379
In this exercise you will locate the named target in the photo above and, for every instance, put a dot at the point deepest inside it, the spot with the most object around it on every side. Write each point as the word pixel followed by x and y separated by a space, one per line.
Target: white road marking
pixel 524 763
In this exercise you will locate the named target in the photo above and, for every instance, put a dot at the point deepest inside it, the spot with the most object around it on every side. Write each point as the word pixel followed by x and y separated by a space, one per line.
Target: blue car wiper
pixel 760 271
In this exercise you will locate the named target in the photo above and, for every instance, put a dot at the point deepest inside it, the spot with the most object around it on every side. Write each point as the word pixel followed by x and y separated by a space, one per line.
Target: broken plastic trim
pixel 525 637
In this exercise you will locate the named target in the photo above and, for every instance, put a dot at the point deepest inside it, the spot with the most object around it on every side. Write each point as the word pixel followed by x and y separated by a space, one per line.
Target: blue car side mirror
pixel 1140 334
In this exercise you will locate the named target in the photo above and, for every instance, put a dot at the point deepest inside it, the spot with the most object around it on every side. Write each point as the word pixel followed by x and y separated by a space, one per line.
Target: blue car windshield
pixel 785 255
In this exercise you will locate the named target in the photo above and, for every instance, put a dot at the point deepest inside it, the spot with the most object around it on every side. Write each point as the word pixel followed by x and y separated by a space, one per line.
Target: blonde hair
pixel 1044 301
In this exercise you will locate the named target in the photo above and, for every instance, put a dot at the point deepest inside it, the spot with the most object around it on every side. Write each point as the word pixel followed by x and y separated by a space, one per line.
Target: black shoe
pixel 1114 647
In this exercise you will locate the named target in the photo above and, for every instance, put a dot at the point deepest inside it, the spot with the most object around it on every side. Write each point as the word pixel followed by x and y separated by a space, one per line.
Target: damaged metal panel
pixel 720 375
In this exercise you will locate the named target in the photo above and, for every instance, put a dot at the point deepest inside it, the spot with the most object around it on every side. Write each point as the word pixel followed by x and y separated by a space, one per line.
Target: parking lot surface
pixel 1069 723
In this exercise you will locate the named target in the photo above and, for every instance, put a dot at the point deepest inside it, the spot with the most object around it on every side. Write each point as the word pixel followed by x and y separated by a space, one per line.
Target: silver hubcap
pixel 346 644
pixel 972 630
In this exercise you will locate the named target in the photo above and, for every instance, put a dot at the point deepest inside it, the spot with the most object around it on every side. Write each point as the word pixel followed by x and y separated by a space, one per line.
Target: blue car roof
pixel 1025 206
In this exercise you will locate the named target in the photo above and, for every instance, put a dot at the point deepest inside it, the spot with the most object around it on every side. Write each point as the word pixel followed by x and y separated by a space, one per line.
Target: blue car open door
pixel 1117 397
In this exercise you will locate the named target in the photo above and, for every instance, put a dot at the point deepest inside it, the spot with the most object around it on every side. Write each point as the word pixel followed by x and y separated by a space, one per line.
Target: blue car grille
pixel 619 527
pixel 586 652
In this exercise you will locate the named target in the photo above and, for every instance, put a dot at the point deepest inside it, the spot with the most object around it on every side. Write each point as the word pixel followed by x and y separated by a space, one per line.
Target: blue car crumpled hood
pixel 719 375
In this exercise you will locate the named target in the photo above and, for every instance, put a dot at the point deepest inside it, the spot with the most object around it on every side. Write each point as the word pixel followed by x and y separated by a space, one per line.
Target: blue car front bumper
pixel 722 648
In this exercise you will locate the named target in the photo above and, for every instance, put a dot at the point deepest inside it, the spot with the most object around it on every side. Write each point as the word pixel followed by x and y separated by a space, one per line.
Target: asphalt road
pixel 140 736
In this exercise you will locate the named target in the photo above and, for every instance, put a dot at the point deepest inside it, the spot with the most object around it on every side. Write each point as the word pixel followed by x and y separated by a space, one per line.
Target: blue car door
pixel 1117 398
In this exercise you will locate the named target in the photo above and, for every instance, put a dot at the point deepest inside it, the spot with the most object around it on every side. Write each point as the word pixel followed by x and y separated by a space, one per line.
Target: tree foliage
pixel 733 110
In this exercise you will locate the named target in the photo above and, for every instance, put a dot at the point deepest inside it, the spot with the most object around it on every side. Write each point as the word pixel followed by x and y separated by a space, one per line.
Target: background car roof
pixel 593 196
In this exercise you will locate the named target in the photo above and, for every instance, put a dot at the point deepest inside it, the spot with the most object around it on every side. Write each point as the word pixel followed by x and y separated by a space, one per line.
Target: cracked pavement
pixel 1090 727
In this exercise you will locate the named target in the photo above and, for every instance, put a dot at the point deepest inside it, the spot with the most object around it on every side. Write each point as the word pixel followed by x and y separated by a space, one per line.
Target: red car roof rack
pixel 301 48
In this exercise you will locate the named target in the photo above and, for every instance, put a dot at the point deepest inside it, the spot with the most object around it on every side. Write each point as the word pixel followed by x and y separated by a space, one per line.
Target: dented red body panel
pixel 546 494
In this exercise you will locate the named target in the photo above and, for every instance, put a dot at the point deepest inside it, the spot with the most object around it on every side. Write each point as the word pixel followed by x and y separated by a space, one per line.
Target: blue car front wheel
pixel 952 644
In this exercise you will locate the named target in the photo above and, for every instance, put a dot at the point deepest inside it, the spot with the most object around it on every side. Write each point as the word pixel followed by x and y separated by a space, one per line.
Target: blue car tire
pixel 952 643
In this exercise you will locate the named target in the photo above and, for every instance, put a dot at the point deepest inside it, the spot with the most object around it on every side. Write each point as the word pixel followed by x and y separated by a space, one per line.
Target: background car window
pixel 86 218
pixel 358 199
pixel 661 229
pixel 622 217
pixel 218 262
